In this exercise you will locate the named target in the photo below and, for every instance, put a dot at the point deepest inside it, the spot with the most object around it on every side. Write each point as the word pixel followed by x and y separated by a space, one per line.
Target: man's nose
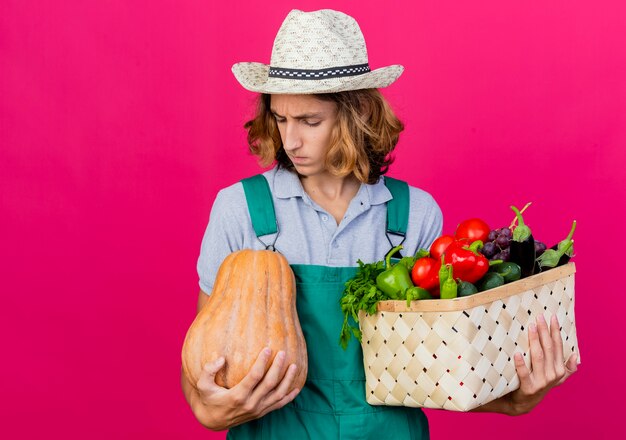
pixel 292 139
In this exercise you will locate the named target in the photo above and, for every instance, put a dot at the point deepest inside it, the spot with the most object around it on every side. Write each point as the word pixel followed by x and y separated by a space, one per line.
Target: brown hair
pixel 366 132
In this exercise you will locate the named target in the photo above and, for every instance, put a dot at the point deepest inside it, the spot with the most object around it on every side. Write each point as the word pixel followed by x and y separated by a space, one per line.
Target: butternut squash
pixel 252 306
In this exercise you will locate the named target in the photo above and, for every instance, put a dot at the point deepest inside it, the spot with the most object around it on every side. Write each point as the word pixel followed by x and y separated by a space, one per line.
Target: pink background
pixel 119 121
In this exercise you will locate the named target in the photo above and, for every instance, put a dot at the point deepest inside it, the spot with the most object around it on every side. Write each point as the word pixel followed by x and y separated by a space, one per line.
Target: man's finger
pixel 282 402
pixel 206 382
pixel 536 352
pixel 256 373
pixel 285 385
pixel 570 367
pixel 555 331
pixel 572 363
pixel 522 372
pixel 547 347
pixel 272 377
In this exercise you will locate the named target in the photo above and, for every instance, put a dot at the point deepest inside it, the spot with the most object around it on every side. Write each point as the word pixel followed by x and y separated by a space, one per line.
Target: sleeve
pixel 425 219
pixel 433 224
pixel 224 234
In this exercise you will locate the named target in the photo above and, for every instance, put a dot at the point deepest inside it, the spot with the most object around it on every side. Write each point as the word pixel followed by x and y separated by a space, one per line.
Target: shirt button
pixel 325 217
pixel 335 245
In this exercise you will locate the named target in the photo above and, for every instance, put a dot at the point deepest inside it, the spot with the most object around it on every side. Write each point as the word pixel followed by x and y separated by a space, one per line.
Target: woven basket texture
pixel 458 354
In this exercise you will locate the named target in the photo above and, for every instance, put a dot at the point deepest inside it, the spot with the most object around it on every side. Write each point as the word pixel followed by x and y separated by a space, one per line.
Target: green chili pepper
pixel 414 293
pixel 443 272
pixel 449 287
pixel 395 280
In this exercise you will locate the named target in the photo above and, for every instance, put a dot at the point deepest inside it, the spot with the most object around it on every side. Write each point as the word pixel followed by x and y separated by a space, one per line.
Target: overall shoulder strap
pixel 398 207
pixel 260 205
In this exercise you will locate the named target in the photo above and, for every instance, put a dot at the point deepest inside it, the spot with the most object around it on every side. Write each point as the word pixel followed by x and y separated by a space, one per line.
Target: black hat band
pixel 332 72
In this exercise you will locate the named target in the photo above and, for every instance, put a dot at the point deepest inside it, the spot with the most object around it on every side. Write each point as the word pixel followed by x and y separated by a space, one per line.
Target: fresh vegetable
pixel 448 286
pixel 466 289
pixel 491 280
pixel 409 262
pixel 560 253
pixel 514 221
pixel 395 280
pixel 551 257
pixel 509 271
pixel 425 273
pixel 472 229
pixel 522 246
pixel 260 299
pixel 363 292
pixel 440 245
pixel 360 293
pixel 453 266
pixel 469 265
pixel 443 271
pixel 414 293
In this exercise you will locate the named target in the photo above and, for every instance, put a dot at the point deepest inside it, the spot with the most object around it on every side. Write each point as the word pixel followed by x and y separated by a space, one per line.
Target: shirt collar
pixel 378 192
pixel 287 185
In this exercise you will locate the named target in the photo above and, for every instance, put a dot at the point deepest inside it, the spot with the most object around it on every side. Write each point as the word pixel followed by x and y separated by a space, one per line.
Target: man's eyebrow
pixel 302 116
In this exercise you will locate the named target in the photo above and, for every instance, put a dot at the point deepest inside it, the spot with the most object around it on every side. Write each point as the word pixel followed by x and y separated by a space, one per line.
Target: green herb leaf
pixel 408 262
pixel 360 293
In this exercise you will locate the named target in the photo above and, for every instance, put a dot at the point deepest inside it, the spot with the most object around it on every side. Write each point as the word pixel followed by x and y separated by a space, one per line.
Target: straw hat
pixel 316 52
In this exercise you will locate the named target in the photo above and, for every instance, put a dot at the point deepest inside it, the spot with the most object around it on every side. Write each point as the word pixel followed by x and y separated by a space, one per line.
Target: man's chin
pixel 306 171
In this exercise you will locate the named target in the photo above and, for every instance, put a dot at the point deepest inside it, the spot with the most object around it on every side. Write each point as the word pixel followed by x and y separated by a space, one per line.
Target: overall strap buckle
pixel 397 210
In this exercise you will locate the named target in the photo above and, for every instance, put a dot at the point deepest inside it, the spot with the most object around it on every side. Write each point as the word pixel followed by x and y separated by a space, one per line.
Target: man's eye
pixel 312 124
pixel 280 121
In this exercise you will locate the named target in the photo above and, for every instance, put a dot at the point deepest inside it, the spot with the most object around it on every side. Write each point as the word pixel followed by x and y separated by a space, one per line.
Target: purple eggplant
pixel 522 246
pixel 560 253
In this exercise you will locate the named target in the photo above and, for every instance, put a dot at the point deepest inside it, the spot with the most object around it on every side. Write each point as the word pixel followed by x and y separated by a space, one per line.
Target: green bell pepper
pixel 395 280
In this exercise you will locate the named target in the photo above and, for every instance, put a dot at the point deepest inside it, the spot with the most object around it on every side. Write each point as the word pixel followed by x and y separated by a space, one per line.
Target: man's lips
pixel 298 159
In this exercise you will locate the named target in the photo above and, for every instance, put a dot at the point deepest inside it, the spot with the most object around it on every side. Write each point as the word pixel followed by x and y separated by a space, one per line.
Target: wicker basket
pixel 457 354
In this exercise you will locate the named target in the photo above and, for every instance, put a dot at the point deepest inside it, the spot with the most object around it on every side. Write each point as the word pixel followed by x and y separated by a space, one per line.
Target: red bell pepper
pixel 467 263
